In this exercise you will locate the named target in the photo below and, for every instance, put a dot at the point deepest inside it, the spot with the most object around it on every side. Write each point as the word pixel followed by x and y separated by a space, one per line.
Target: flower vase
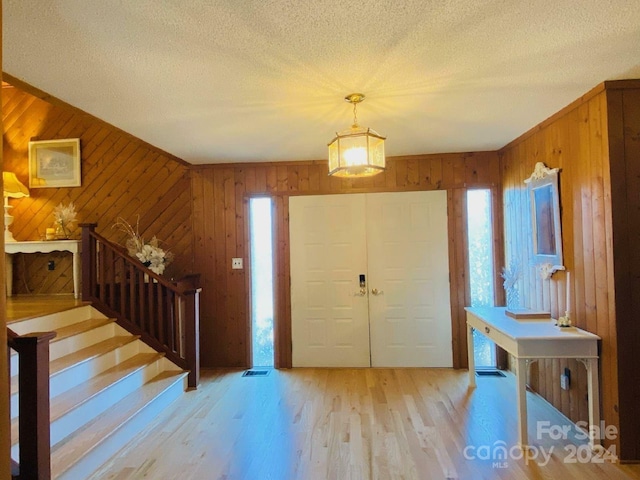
pixel 61 232
pixel 513 298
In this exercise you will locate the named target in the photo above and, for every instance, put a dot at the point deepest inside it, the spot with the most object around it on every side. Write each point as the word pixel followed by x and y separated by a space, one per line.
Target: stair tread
pixel 60 364
pixel 80 327
pixel 69 451
pixel 87 353
pixel 50 310
pixel 103 433
pixel 70 399
pixel 77 328
pixel 67 401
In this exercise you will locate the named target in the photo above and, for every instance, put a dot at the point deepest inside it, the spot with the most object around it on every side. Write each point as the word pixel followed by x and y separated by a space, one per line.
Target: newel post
pixel 34 429
pixel 88 260
pixel 191 298
pixel 192 336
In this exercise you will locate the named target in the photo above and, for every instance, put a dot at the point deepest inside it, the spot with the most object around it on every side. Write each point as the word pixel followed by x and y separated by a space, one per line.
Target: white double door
pixel 401 317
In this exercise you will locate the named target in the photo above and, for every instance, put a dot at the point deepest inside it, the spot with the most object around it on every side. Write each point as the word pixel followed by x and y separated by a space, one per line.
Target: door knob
pixel 375 291
pixel 361 293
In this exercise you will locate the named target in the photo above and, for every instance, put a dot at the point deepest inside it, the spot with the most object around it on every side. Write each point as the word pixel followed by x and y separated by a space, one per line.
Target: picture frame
pixel 54 163
pixel 546 230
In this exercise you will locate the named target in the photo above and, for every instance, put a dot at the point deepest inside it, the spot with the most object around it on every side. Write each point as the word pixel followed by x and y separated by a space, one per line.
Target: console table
pixel 47 246
pixel 528 341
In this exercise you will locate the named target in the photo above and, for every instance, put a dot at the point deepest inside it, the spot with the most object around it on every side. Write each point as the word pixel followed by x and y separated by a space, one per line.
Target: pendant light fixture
pixel 358 151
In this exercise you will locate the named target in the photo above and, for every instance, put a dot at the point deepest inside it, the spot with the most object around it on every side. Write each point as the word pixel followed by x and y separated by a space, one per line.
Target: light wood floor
pixel 342 424
pixel 21 307
pixel 350 424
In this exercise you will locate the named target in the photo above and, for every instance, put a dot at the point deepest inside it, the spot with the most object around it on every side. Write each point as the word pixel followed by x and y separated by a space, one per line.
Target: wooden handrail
pixel 164 313
pixel 34 429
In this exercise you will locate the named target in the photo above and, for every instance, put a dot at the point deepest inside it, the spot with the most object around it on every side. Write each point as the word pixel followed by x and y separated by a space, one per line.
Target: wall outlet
pixel 565 379
pixel 236 263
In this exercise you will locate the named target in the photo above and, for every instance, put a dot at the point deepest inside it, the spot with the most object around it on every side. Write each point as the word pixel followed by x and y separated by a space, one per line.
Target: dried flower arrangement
pixel 64 218
pixel 510 275
pixel 150 254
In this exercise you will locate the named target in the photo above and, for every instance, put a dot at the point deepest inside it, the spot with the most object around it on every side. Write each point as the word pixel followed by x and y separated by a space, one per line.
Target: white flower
pixel 152 257
pixel 150 254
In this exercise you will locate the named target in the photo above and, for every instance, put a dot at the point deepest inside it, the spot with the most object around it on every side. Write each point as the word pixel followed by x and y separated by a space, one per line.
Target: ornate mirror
pixel 545 219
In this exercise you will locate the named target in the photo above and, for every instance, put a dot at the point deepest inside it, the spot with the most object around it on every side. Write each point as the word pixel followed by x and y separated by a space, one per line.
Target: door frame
pixel 459 289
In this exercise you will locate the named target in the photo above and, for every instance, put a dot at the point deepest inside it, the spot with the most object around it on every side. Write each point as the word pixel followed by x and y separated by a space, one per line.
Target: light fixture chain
pixel 355 115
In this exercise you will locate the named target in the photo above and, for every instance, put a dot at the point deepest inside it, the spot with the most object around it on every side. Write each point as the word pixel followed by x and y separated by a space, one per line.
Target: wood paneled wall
pixel 623 109
pixel 577 140
pixel 122 176
pixel 220 203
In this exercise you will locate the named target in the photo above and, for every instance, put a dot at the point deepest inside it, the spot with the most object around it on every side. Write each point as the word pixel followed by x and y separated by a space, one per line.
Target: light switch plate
pixel 236 263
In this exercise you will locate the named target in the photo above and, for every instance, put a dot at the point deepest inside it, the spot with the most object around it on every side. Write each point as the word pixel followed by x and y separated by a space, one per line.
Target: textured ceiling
pixel 215 81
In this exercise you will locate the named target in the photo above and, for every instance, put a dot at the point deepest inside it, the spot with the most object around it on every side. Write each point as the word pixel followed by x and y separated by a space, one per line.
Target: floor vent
pixel 255 373
pixel 489 373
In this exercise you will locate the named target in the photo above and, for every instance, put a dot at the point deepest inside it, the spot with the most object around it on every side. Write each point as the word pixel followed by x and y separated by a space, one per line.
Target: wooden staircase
pixel 105 386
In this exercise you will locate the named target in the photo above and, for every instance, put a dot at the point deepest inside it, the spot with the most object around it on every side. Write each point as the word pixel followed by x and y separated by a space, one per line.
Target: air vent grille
pixel 489 373
pixel 255 373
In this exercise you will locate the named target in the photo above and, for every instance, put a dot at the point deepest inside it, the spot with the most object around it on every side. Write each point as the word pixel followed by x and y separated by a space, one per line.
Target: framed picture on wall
pixel 54 163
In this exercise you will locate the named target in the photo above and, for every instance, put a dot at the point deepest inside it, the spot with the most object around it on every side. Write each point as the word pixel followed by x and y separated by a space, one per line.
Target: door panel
pixel 399 240
pixel 330 325
pixel 409 262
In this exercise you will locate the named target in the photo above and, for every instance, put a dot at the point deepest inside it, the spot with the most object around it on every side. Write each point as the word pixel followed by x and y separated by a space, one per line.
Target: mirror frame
pixel 546 227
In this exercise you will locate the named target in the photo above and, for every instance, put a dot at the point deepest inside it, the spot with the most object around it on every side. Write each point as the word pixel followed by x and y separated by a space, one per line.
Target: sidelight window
pixel 481 266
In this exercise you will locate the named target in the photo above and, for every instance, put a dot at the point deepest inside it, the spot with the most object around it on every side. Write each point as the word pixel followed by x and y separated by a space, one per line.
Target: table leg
pixel 470 357
pixel 593 390
pixel 521 386
pixel 8 268
pixel 76 275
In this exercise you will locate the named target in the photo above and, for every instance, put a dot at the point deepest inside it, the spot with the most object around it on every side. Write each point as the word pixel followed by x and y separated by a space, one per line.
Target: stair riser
pixel 79 416
pixel 72 344
pixel 114 442
pixel 117 330
pixel 82 340
pixel 73 433
pixel 81 372
pixel 60 348
pixel 50 322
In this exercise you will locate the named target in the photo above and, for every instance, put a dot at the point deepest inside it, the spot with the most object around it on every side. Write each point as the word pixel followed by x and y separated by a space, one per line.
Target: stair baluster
pixel 165 314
